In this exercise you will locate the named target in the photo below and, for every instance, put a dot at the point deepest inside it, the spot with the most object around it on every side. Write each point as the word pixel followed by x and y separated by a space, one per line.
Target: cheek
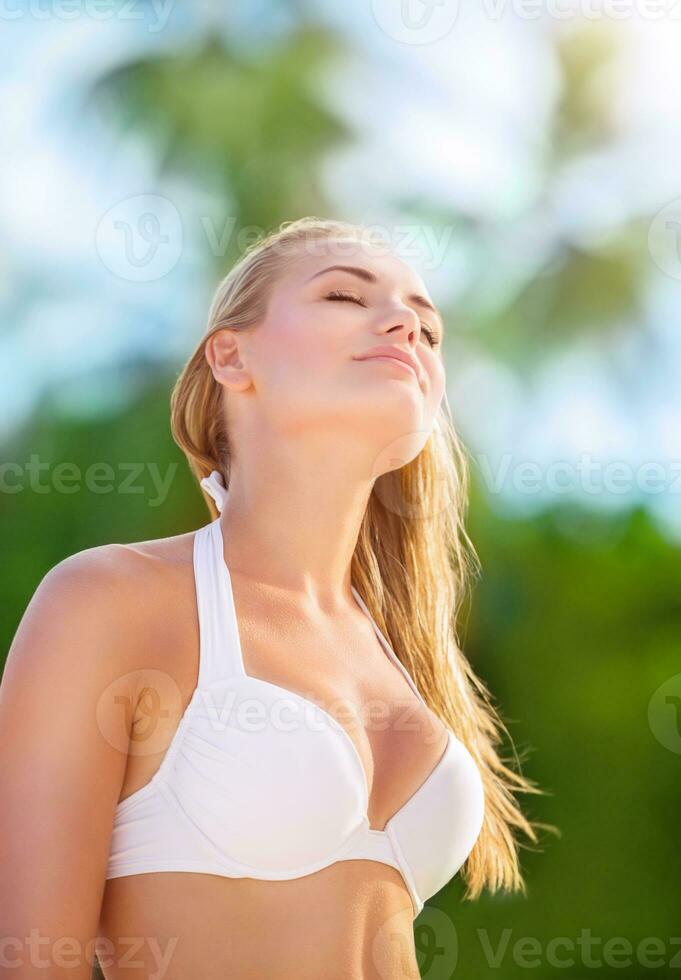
pixel 437 383
pixel 296 352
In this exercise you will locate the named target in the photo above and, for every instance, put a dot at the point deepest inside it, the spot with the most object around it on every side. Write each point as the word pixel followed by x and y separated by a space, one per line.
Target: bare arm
pixel 63 754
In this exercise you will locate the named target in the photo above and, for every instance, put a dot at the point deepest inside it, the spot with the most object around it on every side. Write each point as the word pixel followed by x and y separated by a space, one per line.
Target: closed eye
pixel 342 295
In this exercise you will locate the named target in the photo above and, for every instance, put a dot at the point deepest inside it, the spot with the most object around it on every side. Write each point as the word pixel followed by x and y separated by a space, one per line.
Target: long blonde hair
pixel 413 559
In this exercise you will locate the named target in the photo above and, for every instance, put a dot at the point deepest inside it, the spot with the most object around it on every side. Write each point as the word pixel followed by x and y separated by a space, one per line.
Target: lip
pixel 395 354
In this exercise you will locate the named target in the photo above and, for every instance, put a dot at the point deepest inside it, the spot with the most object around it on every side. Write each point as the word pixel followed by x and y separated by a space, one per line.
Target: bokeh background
pixel 526 158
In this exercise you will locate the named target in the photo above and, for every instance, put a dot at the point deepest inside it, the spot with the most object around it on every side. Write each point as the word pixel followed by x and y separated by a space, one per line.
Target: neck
pixel 291 519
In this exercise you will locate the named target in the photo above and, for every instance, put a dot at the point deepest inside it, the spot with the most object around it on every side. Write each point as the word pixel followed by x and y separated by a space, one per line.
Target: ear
pixel 225 360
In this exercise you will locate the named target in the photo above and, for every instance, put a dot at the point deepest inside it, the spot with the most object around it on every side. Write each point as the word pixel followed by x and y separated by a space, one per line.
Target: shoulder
pixel 111 602
pixel 124 567
pixel 110 574
pixel 98 623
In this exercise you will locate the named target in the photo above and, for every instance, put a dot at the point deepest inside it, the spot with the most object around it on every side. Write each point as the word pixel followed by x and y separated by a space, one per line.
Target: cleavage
pixel 397 738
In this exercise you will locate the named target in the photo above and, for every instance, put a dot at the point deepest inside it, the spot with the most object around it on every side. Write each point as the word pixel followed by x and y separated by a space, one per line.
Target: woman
pixel 145 801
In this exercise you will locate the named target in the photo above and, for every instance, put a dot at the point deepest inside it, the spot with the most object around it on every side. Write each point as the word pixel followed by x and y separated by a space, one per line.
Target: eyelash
pixel 340 294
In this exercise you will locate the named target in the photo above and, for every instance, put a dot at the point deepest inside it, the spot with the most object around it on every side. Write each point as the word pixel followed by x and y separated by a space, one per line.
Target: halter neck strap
pixel 215 486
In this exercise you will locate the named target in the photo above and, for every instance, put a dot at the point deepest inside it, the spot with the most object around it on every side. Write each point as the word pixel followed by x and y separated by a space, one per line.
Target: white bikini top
pixel 260 782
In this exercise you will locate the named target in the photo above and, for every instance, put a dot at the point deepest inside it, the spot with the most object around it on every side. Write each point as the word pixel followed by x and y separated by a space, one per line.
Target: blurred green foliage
pixel 252 130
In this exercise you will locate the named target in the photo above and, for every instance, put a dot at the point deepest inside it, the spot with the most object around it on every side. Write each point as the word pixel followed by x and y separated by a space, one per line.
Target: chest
pixel 342 668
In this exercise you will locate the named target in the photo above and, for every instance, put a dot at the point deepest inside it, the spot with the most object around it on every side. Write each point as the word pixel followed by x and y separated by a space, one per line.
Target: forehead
pixel 315 256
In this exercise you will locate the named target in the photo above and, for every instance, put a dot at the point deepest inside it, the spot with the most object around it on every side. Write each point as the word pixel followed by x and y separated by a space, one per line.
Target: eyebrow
pixel 370 277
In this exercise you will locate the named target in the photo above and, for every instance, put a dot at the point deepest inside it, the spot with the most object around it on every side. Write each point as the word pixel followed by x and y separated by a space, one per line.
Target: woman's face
pixel 308 361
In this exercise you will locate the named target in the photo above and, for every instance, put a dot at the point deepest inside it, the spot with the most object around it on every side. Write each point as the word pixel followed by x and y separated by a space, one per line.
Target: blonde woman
pixel 256 749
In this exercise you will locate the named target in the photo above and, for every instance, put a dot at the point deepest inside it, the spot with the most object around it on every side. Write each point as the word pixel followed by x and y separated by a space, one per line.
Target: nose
pixel 402 321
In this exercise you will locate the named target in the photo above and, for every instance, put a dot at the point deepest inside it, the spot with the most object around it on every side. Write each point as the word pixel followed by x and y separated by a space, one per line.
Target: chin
pixel 400 449
pixel 399 407
pixel 397 438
